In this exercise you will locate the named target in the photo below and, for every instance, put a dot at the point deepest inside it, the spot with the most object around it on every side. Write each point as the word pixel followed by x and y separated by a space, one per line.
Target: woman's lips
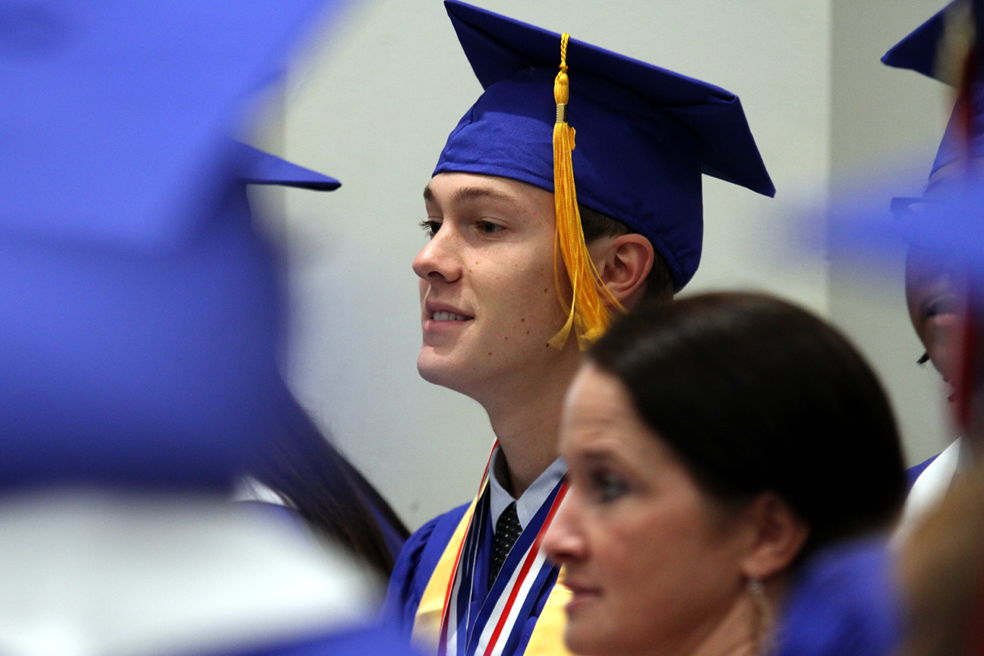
pixel 581 594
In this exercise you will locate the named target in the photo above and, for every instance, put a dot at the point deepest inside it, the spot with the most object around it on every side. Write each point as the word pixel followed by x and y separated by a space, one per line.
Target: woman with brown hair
pixel 715 445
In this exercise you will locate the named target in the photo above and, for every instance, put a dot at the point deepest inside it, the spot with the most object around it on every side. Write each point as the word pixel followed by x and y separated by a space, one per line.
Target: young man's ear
pixel 624 262
pixel 776 537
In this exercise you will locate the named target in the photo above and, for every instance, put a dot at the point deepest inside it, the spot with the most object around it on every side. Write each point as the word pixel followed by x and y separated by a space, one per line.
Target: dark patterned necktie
pixel 507 531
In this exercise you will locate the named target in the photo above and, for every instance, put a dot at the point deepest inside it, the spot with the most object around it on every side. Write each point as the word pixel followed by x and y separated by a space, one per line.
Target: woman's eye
pixel 430 226
pixel 608 487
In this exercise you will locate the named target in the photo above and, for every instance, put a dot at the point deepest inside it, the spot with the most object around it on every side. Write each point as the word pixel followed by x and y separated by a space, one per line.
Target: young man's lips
pixel 440 312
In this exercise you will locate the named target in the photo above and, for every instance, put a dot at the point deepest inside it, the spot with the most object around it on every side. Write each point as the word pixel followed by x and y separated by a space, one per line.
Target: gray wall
pixel 373 103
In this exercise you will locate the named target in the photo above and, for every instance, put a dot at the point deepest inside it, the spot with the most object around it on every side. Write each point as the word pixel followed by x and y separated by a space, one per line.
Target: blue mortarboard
pixel 926 50
pixel 645 134
pixel 142 311
pixel 919 50
pixel 258 167
pixel 105 114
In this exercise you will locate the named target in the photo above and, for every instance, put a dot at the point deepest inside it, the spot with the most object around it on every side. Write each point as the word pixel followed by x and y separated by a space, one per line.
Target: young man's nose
pixel 438 260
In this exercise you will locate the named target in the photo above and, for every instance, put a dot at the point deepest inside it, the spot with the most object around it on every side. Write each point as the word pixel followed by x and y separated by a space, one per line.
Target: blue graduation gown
pixel 843 601
pixel 417 562
pixel 414 567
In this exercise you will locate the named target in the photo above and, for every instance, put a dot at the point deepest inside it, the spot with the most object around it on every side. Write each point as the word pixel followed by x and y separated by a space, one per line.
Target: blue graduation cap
pixel 938 49
pixel 919 50
pixel 101 126
pixel 142 311
pixel 644 134
pixel 258 167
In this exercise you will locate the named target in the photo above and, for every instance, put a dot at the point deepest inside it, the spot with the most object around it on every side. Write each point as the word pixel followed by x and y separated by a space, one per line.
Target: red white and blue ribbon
pixel 494 625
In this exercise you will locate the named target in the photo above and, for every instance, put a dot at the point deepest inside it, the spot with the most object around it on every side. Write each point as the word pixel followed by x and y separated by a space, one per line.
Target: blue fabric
pixel 912 473
pixel 416 565
pixel 920 51
pixel 393 535
pixel 258 167
pixel 128 121
pixel 120 368
pixel 644 134
pixel 949 228
pixel 141 309
pixel 917 51
pixel 843 601
pixel 413 569
pixel 961 140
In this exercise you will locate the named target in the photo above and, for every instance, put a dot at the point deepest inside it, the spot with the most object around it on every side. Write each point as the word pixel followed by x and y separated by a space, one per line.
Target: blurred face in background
pixel 934 290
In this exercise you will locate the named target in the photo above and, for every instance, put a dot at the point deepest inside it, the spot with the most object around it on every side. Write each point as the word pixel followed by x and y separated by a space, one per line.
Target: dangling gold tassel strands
pixel 589 310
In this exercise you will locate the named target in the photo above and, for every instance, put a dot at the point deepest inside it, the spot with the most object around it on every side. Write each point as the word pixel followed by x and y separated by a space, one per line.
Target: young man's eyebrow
pixel 469 193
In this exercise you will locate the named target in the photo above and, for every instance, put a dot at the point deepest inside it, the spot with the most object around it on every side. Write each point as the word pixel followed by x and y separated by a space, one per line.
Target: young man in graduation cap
pixel 941 48
pixel 533 244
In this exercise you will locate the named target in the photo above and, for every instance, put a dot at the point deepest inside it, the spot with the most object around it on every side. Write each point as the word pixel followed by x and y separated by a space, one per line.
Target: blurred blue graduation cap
pixel 947 226
pixel 142 311
pixel 644 134
pixel 103 125
pixel 934 49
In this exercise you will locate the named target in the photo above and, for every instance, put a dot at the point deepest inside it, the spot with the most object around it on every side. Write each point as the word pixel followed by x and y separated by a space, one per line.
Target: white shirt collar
pixel 530 500
pixel 930 486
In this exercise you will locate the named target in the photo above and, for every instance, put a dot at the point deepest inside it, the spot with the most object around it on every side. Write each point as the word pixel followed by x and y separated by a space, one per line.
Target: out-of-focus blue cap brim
pixel 948 226
pixel 258 167
pixel 644 134
pixel 142 310
pixel 100 130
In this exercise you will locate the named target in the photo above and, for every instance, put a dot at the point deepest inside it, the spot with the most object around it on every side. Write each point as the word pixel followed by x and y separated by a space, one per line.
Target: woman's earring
pixel 762 631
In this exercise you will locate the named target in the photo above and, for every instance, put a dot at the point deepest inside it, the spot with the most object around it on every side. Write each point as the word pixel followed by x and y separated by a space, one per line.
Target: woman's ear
pixel 624 263
pixel 777 536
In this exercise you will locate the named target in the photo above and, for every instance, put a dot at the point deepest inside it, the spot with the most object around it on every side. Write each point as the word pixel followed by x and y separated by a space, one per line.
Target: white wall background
pixel 374 101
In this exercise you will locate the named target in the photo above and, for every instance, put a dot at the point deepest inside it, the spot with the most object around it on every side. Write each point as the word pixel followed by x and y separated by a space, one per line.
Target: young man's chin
pixel 436 369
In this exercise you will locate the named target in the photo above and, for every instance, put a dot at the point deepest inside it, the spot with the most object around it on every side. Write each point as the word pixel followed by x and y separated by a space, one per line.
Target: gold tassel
pixel 589 309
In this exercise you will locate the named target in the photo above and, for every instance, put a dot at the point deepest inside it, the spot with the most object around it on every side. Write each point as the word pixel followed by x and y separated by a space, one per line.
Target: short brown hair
pixel 659 283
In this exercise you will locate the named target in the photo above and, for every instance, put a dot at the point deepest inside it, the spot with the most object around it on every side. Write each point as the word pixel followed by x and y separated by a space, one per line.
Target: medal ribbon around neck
pixel 497 626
